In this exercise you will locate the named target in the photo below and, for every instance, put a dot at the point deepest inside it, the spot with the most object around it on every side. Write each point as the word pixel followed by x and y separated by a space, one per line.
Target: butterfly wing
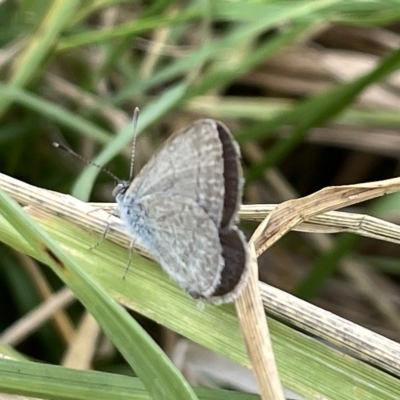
pixel 182 208
pixel 183 240
pixel 201 163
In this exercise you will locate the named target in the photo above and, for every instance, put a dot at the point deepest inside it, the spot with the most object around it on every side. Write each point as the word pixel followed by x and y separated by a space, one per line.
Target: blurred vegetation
pixel 308 88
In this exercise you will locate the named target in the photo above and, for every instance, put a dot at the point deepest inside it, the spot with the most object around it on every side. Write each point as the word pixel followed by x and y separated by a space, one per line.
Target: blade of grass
pixel 304 364
pixel 161 106
pixel 210 50
pixel 54 382
pixel 40 44
pixel 156 371
pixel 170 99
pixel 312 112
pixel 55 113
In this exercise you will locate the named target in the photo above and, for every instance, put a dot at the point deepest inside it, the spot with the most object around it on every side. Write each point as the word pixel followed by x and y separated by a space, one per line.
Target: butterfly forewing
pixel 189 164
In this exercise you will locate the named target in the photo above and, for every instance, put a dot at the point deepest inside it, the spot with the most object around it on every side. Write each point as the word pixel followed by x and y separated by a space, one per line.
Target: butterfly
pixel 182 208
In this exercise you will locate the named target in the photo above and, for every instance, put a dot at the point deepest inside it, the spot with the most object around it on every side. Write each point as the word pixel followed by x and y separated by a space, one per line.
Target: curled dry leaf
pixel 293 212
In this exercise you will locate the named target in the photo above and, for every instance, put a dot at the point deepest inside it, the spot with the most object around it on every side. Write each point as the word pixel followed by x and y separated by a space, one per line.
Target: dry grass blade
pixel 256 334
pixel 332 222
pixel 291 213
pixel 17 332
pixel 361 342
pixel 62 322
pixel 81 351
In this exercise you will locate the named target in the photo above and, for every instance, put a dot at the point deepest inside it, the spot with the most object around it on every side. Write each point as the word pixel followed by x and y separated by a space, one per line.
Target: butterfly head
pixel 120 189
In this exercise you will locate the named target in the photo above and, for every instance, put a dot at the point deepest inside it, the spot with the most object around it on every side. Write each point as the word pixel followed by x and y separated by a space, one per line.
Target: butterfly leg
pixel 104 234
pixel 114 212
pixel 131 246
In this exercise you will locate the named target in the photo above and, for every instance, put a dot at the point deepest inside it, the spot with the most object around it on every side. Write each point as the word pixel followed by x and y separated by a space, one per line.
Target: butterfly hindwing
pixel 184 240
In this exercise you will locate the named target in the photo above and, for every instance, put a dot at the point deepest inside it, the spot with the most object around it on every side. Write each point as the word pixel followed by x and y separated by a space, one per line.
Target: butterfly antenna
pixel 85 160
pixel 134 129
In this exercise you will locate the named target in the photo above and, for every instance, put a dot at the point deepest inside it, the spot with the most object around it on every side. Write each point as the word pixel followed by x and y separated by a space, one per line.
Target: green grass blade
pixel 156 371
pixel 40 45
pixel 54 382
pixel 306 366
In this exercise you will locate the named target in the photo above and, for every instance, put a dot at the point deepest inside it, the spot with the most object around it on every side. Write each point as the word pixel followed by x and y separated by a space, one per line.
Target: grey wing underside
pixel 185 242
pixel 189 164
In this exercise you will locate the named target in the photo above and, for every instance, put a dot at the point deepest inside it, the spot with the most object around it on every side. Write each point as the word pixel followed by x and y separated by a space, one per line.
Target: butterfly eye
pixel 119 189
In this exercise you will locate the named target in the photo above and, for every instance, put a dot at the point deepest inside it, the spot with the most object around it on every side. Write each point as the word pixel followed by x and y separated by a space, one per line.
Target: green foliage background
pixel 74 71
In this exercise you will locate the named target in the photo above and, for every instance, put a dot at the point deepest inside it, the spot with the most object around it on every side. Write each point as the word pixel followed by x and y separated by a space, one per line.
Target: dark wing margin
pixel 232 175
pixel 234 273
